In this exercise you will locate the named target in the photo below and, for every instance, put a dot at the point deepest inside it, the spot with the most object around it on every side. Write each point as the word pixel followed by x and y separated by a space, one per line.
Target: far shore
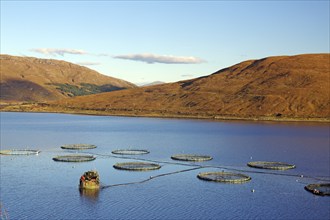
pixel 152 114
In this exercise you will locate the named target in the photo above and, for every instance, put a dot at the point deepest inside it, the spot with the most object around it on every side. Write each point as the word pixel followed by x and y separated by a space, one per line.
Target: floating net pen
pixel 74 158
pixel 130 151
pixel 191 157
pixel 78 146
pixel 271 165
pixel 19 152
pixel 224 177
pixel 322 189
pixel 137 166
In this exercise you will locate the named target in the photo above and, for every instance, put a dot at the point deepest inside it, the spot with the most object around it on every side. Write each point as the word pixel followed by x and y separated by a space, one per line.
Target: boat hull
pixel 89 185
pixel 89 180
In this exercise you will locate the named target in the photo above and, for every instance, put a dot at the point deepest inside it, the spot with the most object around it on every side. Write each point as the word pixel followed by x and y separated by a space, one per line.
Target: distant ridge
pixel 25 79
pixel 273 88
pixel 152 83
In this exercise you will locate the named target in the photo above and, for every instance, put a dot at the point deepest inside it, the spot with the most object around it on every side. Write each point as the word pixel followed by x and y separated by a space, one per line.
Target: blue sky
pixel 144 41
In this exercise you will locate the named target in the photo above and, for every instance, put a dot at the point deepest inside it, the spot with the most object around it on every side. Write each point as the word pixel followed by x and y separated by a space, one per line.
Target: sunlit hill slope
pixel 275 88
pixel 25 79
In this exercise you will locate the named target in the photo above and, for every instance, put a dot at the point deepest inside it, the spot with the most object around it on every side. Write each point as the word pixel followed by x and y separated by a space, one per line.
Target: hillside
pixel 25 79
pixel 275 88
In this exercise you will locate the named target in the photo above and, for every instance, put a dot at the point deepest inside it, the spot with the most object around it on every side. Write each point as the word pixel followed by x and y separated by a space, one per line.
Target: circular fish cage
pixel 271 165
pixel 78 146
pixel 322 189
pixel 74 158
pixel 191 157
pixel 137 166
pixel 19 152
pixel 130 151
pixel 224 177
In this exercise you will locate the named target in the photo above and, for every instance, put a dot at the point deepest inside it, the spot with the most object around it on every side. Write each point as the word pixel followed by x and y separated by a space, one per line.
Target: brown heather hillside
pixel 275 88
pixel 33 79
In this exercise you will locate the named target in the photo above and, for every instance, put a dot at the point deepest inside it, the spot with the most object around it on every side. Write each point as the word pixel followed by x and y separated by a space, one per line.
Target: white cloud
pixel 54 51
pixel 167 59
pixel 88 63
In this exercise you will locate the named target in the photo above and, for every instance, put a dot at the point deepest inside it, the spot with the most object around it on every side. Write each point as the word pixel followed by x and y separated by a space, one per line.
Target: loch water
pixel 36 187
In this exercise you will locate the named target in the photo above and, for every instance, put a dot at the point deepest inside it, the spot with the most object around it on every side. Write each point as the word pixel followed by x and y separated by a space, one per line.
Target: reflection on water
pixel 91 194
pixel 30 185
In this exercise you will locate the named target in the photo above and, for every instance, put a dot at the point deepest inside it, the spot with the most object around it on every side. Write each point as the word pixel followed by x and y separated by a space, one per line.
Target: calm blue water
pixel 36 187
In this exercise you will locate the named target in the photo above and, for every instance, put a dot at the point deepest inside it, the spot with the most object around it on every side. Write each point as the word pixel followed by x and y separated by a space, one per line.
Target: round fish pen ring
pixel 137 166
pixel 319 189
pixel 224 177
pixel 78 146
pixel 191 157
pixel 130 151
pixel 19 152
pixel 74 158
pixel 271 165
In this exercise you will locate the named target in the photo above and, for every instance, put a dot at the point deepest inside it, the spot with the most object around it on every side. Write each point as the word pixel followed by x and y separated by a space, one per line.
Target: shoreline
pixel 32 108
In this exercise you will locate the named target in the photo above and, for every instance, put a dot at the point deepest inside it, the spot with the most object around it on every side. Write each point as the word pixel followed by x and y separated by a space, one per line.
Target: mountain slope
pixel 281 88
pixel 33 79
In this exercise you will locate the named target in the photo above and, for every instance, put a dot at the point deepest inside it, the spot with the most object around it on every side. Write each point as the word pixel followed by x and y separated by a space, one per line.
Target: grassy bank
pixel 46 108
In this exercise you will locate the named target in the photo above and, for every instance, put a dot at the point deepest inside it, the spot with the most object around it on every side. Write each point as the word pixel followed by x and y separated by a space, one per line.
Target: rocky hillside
pixel 25 79
pixel 280 88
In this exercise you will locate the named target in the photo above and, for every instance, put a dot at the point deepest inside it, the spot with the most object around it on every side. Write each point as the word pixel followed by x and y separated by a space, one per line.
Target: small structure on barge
pixel 90 180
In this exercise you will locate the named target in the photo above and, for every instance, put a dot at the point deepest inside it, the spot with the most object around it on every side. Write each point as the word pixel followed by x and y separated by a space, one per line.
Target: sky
pixel 146 41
